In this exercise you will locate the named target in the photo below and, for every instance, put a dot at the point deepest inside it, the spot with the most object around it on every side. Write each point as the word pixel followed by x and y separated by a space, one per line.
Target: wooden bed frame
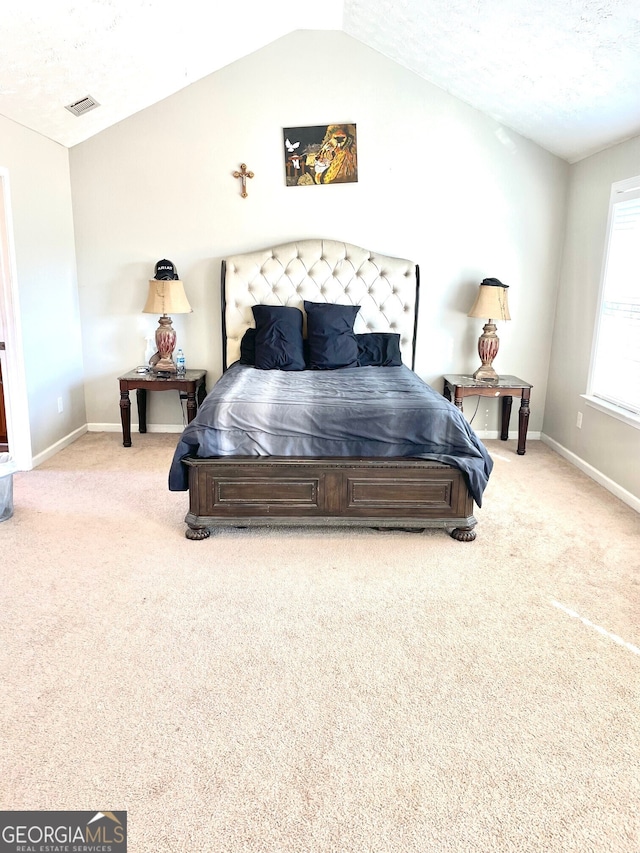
pixel 406 493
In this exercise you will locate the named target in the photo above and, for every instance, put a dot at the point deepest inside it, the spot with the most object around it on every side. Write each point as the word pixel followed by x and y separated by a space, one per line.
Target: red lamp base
pixel 165 343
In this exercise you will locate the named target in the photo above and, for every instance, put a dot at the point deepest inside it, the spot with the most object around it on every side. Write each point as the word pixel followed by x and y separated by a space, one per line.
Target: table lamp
pixel 166 296
pixel 492 304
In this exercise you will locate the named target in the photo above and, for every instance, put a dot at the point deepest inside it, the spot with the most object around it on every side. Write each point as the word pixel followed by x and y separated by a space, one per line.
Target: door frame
pixel 13 370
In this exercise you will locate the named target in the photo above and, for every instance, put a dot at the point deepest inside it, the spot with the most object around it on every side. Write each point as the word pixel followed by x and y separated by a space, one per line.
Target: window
pixel 615 365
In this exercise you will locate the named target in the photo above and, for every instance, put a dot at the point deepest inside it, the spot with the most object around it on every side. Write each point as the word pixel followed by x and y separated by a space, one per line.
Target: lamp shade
pixel 166 297
pixel 491 302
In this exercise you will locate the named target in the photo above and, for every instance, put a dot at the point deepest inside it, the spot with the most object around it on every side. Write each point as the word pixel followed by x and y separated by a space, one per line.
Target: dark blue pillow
pixel 332 343
pixel 379 349
pixel 248 347
pixel 278 337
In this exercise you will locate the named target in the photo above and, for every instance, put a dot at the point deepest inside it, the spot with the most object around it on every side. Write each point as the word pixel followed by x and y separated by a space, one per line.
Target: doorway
pixel 13 386
pixel 4 438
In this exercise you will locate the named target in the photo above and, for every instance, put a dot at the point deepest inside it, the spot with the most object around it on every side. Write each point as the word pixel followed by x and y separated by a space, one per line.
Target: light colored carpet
pixel 322 691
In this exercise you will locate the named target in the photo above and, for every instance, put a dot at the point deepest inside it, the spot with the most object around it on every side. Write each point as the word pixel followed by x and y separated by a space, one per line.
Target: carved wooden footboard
pixel 400 493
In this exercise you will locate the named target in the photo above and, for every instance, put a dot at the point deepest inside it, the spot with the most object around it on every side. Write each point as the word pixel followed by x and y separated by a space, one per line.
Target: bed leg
pixel 193 532
pixel 464 534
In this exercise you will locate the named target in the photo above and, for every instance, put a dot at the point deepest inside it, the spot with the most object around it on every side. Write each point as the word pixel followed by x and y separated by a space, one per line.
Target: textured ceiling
pixel 127 54
pixel 564 73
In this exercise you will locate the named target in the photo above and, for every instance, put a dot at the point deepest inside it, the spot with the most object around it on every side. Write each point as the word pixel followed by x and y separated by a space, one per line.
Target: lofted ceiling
pixel 564 73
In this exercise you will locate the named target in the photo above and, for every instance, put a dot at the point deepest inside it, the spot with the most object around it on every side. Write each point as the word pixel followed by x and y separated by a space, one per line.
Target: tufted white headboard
pixel 321 271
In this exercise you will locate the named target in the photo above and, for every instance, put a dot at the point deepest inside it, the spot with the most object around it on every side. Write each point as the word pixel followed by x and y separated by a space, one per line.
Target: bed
pixel 321 438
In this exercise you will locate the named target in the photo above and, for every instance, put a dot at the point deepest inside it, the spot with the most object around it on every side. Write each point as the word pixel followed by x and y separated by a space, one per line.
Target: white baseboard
pixel 58 446
pixel 482 434
pixel 590 471
pixel 491 434
pixel 134 428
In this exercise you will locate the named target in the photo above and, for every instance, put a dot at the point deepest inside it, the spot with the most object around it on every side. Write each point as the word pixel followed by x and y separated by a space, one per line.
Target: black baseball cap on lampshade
pixel 166 271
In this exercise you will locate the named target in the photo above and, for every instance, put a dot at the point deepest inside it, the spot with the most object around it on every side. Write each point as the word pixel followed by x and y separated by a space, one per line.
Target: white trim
pixel 58 446
pixel 174 428
pixel 631 188
pixel 590 471
pixel 13 372
pixel 483 435
pixel 492 434
pixel 616 412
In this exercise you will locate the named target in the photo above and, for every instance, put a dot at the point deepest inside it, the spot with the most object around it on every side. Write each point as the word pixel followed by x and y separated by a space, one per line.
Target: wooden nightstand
pixel 191 384
pixel 506 387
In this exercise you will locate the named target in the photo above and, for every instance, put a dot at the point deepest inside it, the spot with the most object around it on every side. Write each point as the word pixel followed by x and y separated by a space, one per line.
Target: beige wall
pixel 604 443
pixel 44 254
pixel 438 183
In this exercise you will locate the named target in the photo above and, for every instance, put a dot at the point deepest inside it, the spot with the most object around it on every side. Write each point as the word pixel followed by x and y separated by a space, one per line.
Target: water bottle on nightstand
pixel 180 363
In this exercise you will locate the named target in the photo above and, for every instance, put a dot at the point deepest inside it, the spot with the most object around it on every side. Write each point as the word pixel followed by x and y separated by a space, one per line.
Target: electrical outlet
pixel 579 420
pixel 60 406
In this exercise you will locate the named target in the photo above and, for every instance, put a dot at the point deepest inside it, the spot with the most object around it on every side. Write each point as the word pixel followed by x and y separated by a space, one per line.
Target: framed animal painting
pixel 321 154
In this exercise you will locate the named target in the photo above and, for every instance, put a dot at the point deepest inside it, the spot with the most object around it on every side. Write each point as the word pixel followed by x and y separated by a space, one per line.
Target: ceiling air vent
pixel 82 106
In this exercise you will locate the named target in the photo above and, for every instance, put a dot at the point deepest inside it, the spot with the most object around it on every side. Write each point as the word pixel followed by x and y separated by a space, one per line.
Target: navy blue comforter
pixel 361 411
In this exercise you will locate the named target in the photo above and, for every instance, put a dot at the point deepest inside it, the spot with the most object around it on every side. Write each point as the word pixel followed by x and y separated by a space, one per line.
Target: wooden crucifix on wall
pixel 243 175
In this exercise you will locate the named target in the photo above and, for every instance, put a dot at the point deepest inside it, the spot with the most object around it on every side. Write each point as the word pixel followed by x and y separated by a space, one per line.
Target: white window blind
pixel 615 367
